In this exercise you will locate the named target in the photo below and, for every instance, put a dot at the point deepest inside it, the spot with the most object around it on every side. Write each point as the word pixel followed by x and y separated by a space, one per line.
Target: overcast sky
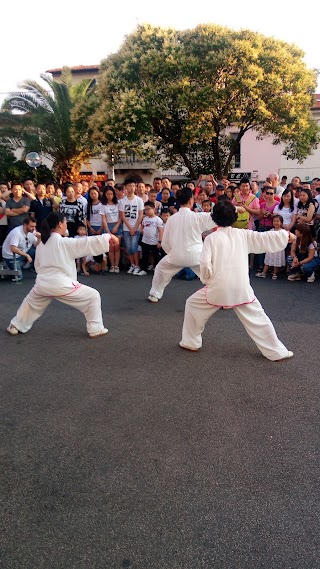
pixel 40 36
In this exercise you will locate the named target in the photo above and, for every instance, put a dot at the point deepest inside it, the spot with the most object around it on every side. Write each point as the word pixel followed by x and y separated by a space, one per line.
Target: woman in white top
pixel 94 212
pixel 57 277
pixel 287 210
pixel 112 224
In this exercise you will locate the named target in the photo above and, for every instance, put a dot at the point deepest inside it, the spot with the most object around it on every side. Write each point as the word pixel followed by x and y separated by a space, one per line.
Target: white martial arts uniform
pixel 57 278
pixel 182 241
pixel 224 269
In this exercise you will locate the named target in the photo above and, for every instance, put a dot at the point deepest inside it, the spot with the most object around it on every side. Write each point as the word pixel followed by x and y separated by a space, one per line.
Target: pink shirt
pixel 254 204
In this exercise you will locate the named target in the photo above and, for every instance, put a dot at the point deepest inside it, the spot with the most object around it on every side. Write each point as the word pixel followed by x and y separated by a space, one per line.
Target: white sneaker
pixel 294 277
pixel 99 333
pixel 312 278
pixel 153 298
pixel 111 270
pixel 116 270
pixel 130 271
pixel 136 271
pixel 12 330
pixel 141 273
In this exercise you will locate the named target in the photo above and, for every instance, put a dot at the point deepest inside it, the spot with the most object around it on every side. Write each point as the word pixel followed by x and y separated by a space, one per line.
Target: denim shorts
pixel 131 242
pixel 119 232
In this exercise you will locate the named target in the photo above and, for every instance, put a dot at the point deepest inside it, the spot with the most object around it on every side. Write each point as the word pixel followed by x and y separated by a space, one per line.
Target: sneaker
pixel 136 271
pixel 116 270
pixel 99 333
pixel 111 270
pixel 12 330
pixel 189 349
pixel 294 277
pixel 141 273
pixel 261 275
pixel 153 298
pixel 312 278
pixel 130 271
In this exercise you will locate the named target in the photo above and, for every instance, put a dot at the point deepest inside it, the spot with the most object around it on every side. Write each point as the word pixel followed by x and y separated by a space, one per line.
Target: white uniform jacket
pixel 224 262
pixel 55 262
pixel 182 236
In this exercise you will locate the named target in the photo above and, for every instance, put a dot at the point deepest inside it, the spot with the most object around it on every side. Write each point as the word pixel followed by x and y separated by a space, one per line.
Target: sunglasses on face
pixel 269 193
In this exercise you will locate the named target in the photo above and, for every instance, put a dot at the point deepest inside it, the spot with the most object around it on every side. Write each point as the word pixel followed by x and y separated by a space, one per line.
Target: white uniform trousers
pixel 253 317
pixel 163 274
pixel 84 298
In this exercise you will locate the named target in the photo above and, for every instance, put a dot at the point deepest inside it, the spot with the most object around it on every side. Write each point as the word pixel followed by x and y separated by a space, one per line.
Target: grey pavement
pixel 128 452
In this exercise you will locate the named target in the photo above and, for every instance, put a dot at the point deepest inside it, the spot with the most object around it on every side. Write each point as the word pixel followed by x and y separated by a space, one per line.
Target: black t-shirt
pixel 41 210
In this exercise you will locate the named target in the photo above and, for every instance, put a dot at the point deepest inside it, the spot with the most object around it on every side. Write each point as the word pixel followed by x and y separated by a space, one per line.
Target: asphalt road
pixel 128 452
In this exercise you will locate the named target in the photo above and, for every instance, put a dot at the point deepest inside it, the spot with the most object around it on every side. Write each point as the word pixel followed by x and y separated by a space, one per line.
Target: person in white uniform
pixel 57 277
pixel 182 241
pixel 224 271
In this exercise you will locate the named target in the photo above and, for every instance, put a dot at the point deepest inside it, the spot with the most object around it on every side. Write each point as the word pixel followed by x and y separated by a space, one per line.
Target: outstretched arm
pixel 268 242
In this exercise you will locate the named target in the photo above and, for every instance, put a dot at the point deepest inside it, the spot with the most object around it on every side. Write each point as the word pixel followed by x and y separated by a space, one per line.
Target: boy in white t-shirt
pixel 131 211
pixel 152 227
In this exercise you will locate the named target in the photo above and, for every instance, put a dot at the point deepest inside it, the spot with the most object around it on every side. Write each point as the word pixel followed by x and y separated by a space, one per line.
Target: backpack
pixel 243 218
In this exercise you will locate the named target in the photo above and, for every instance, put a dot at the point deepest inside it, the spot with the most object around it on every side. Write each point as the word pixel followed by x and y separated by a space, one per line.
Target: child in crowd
pixel 207 207
pixel 94 212
pixel 152 197
pixel 95 263
pixel 81 233
pixel 275 260
pixel 152 228
pixel 131 213
pixel 112 224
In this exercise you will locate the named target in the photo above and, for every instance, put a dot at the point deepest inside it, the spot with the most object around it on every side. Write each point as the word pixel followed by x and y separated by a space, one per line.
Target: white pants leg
pixel 85 299
pixel 260 328
pixel 163 274
pixel 197 313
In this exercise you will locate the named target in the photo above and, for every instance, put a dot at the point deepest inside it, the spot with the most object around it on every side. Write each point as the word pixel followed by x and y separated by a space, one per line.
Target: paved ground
pixel 128 452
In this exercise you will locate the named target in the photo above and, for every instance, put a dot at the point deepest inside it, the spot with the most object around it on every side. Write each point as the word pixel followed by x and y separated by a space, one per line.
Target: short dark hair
pixel 176 183
pixel 150 204
pixel 29 218
pixel 244 180
pixel 81 224
pixel 129 181
pixel 224 213
pixel 184 195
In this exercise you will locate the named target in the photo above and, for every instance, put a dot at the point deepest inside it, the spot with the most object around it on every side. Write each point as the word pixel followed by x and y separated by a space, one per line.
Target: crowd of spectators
pixel 137 214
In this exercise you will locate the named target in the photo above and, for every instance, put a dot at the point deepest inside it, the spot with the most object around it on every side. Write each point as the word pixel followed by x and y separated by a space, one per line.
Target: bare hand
pixel 240 209
pixel 292 237
pixel 29 259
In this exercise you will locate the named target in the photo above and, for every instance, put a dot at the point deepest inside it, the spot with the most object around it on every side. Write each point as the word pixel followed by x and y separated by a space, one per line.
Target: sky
pixel 36 37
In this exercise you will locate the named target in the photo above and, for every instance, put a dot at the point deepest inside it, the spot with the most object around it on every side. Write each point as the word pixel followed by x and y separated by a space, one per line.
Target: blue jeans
pixel 308 268
pixel 21 261
pixel 131 242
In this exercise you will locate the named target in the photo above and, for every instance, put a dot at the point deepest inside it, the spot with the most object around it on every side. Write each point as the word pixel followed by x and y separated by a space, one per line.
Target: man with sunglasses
pixel 20 244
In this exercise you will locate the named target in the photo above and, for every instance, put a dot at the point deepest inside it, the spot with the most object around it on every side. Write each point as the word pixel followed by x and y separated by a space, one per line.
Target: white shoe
pixel 116 270
pixel 289 355
pixel 189 349
pixel 136 271
pixel 99 333
pixel 150 268
pixel 294 277
pixel 12 330
pixel 111 270
pixel 153 298
pixel 141 273
pixel 312 278
pixel 130 271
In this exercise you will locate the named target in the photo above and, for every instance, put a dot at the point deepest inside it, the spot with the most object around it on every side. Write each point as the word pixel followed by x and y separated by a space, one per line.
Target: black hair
pixel 150 204
pixel 184 195
pixel 81 224
pixel 52 183
pixel 15 183
pixel 281 204
pixel 176 183
pixel 223 197
pixel 98 258
pixel 103 197
pixel 224 213
pixel 310 199
pixel 90 202
pixel 130 181
pixel 277 215
pixel 157 178
pixel 29 218
pixel 118 187
pixel 244 180
pixel 49 223
pixel 66 186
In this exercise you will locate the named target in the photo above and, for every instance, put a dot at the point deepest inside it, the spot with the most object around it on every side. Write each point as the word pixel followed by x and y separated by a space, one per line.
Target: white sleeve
pixel 206 262
pixel 95 245
pixel 268 242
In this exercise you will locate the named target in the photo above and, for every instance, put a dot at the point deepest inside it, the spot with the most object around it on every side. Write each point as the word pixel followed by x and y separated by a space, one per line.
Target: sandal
pixel 274 276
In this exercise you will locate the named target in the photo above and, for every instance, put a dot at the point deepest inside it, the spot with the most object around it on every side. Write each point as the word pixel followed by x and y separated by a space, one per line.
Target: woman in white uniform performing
pixel 57 277
pixel 224 271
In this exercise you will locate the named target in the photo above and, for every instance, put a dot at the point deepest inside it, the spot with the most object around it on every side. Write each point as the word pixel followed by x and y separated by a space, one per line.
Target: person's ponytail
pixel 49 223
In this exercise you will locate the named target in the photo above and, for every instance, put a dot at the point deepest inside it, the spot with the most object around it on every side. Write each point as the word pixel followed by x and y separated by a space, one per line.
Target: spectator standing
pixel 152 233
pixel 41 205
pixel 17 206
pixel 248 201
pixel 131 212
pixel 113 225
pixel 72 210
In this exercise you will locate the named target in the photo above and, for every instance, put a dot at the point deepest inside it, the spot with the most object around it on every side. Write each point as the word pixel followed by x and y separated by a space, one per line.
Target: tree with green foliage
pixel 50 120
pixel 13 169
pixel 183 92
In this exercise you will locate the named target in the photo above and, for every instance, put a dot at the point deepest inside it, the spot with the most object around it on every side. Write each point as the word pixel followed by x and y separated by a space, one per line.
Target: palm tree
pixel 51 120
